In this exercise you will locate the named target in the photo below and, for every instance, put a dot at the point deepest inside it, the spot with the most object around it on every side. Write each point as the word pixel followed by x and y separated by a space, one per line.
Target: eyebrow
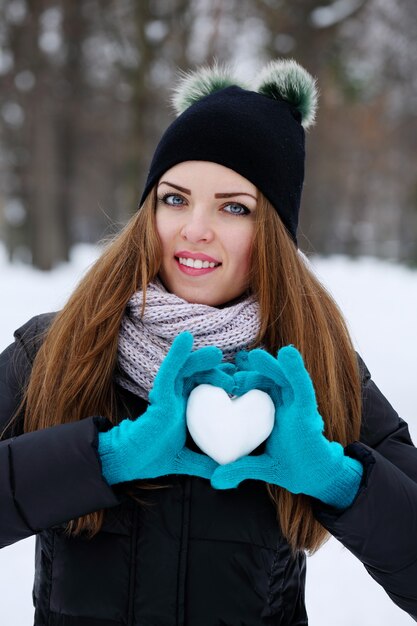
pixel 216 195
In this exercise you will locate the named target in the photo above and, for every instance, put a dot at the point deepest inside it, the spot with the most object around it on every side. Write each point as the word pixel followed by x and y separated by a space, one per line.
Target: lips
pixel 198 264
pixel 195 256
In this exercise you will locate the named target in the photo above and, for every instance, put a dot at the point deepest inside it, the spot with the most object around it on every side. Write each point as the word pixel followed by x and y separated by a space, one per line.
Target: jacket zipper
pixel 132 573
pixel 182 561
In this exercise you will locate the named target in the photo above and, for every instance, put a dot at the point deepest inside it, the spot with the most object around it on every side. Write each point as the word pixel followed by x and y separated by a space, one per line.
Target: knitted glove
pixel 154 444
pixel 297 455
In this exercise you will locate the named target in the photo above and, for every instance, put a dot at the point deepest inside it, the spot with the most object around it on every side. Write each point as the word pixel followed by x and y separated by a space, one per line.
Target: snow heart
pixel 227 428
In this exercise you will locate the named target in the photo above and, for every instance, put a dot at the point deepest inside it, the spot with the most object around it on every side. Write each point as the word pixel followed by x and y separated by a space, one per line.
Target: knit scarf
pixel 144 341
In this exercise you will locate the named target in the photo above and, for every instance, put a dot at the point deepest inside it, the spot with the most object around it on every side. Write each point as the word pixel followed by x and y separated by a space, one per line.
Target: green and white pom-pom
pixel 197 84
pixel 287 80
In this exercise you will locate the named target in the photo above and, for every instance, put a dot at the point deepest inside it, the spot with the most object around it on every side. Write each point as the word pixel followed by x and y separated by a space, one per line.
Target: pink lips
pixel 193 271
pixel 195 255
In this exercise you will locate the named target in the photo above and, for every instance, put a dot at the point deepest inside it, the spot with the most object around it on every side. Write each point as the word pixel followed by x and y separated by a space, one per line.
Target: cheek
pixel 164 230
pixel 240 251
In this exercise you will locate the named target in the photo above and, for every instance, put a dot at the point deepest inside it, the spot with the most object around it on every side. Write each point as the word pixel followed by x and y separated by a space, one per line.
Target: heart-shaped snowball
pixel 228 428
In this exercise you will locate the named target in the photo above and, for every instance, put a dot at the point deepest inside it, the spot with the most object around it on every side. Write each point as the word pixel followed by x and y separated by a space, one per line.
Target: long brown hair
pixel 72 375
pixel 296 309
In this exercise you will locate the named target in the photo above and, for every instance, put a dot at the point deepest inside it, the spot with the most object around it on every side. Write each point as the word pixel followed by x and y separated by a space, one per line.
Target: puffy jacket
pixel 187 554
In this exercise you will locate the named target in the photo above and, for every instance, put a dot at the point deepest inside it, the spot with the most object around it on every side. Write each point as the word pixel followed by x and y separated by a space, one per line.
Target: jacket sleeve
pixel 50 476
pixel 380 527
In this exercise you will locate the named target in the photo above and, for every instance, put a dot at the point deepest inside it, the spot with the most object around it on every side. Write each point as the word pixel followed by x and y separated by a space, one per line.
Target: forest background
pixel 83 100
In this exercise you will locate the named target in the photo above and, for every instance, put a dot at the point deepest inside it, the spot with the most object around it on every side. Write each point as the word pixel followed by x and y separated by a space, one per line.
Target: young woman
pixel 135 524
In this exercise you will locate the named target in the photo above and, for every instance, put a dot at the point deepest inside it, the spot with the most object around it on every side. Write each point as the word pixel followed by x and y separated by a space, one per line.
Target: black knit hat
pixel 257 133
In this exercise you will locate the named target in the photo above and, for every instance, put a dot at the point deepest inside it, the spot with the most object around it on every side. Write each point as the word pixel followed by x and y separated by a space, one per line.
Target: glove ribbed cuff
pixel 111 459
pixel 341 488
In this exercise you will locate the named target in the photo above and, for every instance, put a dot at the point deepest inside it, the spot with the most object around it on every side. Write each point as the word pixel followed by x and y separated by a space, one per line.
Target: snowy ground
pixel 380 303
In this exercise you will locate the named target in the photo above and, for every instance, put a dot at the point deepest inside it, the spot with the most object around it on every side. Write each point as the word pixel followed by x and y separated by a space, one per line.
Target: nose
pixel 197 227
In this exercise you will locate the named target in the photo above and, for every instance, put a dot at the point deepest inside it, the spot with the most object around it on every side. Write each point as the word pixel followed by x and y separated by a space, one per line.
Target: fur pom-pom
pixel 199 83
pixel 287 80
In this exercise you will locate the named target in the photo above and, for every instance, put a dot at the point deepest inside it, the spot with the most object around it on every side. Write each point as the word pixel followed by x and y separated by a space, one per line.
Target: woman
pixel 134 523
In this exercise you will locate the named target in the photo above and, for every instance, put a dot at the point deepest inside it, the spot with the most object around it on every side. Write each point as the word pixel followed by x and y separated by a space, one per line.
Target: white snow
pixel 379 300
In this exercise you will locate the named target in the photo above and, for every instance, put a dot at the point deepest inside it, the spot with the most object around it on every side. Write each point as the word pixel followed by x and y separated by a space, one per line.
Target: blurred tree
pixel 43 83
pixel 160 37
pixel 361 157
pixel 379 64
pixel 83 92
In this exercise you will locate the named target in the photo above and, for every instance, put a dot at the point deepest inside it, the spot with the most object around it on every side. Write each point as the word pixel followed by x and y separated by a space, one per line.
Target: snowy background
pixel 380 303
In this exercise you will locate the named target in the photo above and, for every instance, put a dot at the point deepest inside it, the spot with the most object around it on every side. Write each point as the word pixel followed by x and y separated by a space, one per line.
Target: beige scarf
pixel 144 341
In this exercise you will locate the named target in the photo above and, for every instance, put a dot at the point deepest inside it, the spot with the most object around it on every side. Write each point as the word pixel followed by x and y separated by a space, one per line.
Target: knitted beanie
pixel 258 132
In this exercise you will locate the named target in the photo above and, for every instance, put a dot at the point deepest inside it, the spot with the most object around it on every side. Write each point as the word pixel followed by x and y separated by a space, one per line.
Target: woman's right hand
pixel 297 456
pixel 153 444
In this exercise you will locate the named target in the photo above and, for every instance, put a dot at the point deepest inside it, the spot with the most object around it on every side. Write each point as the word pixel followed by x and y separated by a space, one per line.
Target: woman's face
pixel 205 218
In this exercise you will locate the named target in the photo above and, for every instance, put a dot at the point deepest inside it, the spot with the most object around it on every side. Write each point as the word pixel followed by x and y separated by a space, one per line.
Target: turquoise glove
pixel 154 444
pixel 297 455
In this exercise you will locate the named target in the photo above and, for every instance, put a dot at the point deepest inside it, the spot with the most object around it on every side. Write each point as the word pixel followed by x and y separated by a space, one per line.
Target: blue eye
pixel 236 209
pixel 172 199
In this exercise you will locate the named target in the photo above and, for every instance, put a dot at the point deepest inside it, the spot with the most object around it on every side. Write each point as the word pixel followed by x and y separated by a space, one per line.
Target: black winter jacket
pixel 190 555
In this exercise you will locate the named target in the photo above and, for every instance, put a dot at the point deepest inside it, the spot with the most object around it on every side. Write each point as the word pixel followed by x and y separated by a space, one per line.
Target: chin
pixel 209 299
pixel 206 295
pixel 201 297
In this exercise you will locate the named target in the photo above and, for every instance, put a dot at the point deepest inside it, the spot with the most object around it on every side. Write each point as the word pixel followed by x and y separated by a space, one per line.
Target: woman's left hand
pixel 297 455
pixel 154 444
